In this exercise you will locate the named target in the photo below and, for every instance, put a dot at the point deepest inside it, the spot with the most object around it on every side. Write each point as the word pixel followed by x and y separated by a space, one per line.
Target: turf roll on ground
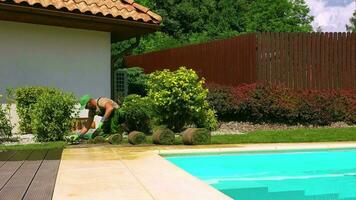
pixel 115 138
pixel 163 136
pixel 99 140
pixel 136 137
pixel 195 136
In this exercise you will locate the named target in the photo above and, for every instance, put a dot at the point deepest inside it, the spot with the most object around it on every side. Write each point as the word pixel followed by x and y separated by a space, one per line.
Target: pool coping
pixel 261 148
pixel 133 173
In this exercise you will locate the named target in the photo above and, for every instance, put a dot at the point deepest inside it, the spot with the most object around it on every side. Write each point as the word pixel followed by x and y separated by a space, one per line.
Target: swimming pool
pixel 304 175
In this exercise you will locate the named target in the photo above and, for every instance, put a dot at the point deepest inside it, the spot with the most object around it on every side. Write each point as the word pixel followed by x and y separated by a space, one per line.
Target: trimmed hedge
pixel 163 136
pixel 196 136
pixel 277 104
pixel 136 137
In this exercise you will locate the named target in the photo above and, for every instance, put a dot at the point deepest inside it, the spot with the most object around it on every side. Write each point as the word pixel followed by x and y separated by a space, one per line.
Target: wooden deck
pixel 28 175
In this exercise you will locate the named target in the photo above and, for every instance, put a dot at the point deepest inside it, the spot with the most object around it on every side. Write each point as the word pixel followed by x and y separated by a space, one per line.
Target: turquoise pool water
pixel 314 175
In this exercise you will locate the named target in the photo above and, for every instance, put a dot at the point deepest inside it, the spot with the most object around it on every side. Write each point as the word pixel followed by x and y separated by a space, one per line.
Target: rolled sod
pixel 163 136
pixel 99 140
pixel 136 137
pixel 115 138
pixel 196 136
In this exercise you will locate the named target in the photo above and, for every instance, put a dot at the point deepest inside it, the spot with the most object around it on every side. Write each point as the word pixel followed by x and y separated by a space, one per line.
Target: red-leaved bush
pixel 278 104
pixel 325 107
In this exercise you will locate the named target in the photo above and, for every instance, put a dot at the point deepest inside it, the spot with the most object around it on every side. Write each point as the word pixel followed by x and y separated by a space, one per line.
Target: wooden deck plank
pixel 17 186
pixel 42 186
pixel 5 156
pixel 11 166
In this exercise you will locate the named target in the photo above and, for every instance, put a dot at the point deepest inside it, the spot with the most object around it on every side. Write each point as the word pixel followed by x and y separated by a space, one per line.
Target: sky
pixel 331 15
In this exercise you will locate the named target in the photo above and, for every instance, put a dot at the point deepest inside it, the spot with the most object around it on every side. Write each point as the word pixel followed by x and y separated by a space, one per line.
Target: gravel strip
pixel 228 128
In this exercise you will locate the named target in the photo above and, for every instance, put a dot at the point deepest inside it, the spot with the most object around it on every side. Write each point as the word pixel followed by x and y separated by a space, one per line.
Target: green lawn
pixel 283 136
pixel 290 136
pixel 49 145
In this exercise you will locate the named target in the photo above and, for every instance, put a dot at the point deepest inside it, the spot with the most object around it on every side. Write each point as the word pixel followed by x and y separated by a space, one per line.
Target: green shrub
pixel 137 81
pixel 5 125
pixel 52 115
pixel 25 98
pixel 137 111
pixel 221 98
pixel 179 98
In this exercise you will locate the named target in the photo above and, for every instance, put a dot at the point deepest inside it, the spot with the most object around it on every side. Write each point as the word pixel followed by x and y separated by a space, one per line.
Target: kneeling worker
pixel 104 107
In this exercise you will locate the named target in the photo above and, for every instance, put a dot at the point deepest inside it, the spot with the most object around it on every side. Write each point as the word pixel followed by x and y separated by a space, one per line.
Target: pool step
pixel 344 186
pixel 264 194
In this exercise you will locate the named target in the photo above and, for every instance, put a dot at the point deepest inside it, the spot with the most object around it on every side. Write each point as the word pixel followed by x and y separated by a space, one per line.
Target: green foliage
pixel 179 99
pixel 52 115
pixel 278 16
pixel 25 98
pixel 156 41
pixel 137 81
pixel 196 21
pixel 206 119
pixel 5 125
pixel 352 26
pixel 137 111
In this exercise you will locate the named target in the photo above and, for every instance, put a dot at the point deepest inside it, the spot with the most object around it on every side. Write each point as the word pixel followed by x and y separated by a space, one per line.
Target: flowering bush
pixel 179 99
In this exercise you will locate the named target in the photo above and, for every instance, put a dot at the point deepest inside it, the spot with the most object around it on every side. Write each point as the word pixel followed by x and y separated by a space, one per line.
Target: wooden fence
pixel 298 60
pixel 307 60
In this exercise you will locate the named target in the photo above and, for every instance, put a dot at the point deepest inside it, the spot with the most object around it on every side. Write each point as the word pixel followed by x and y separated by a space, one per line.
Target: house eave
pixel 120 29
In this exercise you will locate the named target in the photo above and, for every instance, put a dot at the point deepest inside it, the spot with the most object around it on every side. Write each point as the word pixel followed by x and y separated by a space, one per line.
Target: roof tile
pixel 126 9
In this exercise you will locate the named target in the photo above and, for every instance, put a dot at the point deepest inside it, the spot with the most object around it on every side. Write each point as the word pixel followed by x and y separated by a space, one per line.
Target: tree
pixel 278 16
pixel 195 21
pixel 352 26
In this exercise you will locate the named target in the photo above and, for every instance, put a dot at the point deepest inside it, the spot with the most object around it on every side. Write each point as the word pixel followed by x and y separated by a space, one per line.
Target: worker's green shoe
pixel 92 133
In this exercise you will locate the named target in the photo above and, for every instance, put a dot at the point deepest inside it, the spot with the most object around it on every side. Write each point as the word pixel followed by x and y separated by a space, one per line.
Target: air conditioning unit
pixel 120 85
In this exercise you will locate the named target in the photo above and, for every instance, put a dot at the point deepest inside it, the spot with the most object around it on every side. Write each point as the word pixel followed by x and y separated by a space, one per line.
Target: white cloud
pixel 331 18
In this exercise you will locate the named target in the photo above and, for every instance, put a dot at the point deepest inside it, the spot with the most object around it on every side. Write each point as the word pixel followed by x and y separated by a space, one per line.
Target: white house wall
pixel 71 59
